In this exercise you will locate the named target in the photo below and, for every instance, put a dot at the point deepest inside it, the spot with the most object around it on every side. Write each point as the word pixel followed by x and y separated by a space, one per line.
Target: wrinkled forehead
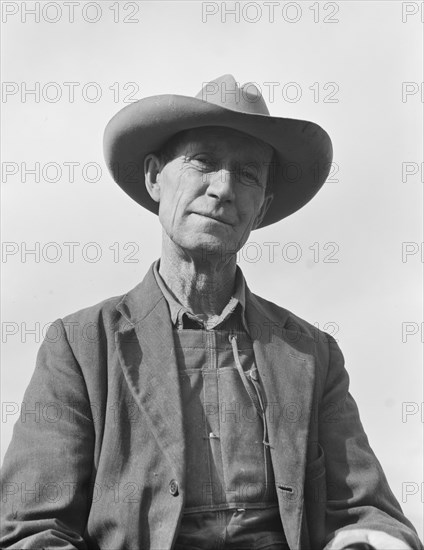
pixel 219 138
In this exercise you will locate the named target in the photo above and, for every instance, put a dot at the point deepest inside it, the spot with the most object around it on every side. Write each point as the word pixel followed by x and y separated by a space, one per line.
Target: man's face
pixel 212 193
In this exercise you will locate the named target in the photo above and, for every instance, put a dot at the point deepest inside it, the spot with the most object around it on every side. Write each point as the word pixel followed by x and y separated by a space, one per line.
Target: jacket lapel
pixel 287 371
pixel 146 353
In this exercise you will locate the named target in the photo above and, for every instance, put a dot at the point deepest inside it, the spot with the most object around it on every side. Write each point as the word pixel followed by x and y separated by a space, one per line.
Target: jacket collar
pixel 141 300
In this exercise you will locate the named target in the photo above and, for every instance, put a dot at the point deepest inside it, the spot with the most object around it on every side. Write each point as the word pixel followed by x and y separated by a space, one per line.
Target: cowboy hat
pixel 302 149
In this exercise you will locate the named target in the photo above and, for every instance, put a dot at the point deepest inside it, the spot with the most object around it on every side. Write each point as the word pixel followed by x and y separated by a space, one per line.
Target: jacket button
pixel 173 487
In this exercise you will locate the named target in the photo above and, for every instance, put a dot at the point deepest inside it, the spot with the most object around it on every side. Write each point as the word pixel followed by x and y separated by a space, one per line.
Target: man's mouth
pixel 215 218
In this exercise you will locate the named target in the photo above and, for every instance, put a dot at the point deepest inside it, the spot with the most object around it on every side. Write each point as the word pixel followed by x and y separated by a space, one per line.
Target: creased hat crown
pixel 226 92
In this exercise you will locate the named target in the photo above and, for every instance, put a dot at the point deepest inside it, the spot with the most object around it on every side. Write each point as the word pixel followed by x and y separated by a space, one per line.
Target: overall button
pixel 253 373
pixel 173 487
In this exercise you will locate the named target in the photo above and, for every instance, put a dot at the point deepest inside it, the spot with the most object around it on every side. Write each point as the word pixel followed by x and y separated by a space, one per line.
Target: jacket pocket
pixel 316 499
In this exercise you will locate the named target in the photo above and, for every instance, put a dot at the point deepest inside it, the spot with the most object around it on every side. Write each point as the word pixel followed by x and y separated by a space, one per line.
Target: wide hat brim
pixel 303 150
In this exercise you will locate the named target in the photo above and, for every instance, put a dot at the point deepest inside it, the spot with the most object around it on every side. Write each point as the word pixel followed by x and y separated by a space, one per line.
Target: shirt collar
pixel 177 310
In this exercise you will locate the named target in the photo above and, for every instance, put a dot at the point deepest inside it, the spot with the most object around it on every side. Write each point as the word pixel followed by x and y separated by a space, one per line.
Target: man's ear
pixel 152 168
pixel 263 210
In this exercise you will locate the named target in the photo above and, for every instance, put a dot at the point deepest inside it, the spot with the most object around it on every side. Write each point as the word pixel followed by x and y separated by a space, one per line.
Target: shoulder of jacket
pixel 292 322
pixel 103 313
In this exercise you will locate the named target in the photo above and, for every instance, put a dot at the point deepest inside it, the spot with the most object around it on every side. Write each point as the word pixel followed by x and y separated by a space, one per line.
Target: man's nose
pixel 222 184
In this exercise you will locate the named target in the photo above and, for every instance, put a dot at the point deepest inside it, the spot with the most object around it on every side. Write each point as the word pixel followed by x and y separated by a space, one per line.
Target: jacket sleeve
pixel 361 508
pixel 47 468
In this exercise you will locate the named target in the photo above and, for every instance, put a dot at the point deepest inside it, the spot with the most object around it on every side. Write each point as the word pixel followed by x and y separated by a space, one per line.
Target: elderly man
pixel 197 415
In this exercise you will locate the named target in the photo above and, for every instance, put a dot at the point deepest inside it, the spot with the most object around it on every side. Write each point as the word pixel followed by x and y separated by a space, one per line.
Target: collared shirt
pixel 182 317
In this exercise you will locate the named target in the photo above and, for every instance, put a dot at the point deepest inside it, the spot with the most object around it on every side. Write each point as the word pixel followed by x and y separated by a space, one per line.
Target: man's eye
pixel 203 161
pixel 249 176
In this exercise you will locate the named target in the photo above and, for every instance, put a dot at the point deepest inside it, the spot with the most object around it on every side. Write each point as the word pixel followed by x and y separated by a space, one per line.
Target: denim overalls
pixel 231 501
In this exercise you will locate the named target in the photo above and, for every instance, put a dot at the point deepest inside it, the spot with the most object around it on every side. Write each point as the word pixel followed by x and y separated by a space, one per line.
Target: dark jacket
pixel 97 457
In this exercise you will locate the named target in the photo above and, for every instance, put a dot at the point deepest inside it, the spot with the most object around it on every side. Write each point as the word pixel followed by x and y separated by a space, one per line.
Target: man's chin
pixel 214 249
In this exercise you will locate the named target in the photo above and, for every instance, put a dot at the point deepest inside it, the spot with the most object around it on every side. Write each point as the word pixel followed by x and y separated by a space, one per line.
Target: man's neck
pixel 204 287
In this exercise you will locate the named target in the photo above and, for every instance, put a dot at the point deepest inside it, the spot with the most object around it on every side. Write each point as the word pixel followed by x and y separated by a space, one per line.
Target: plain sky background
pixel 354 55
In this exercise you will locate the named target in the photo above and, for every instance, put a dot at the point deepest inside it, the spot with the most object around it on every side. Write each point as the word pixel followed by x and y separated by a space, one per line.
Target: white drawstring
pixel 256 399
